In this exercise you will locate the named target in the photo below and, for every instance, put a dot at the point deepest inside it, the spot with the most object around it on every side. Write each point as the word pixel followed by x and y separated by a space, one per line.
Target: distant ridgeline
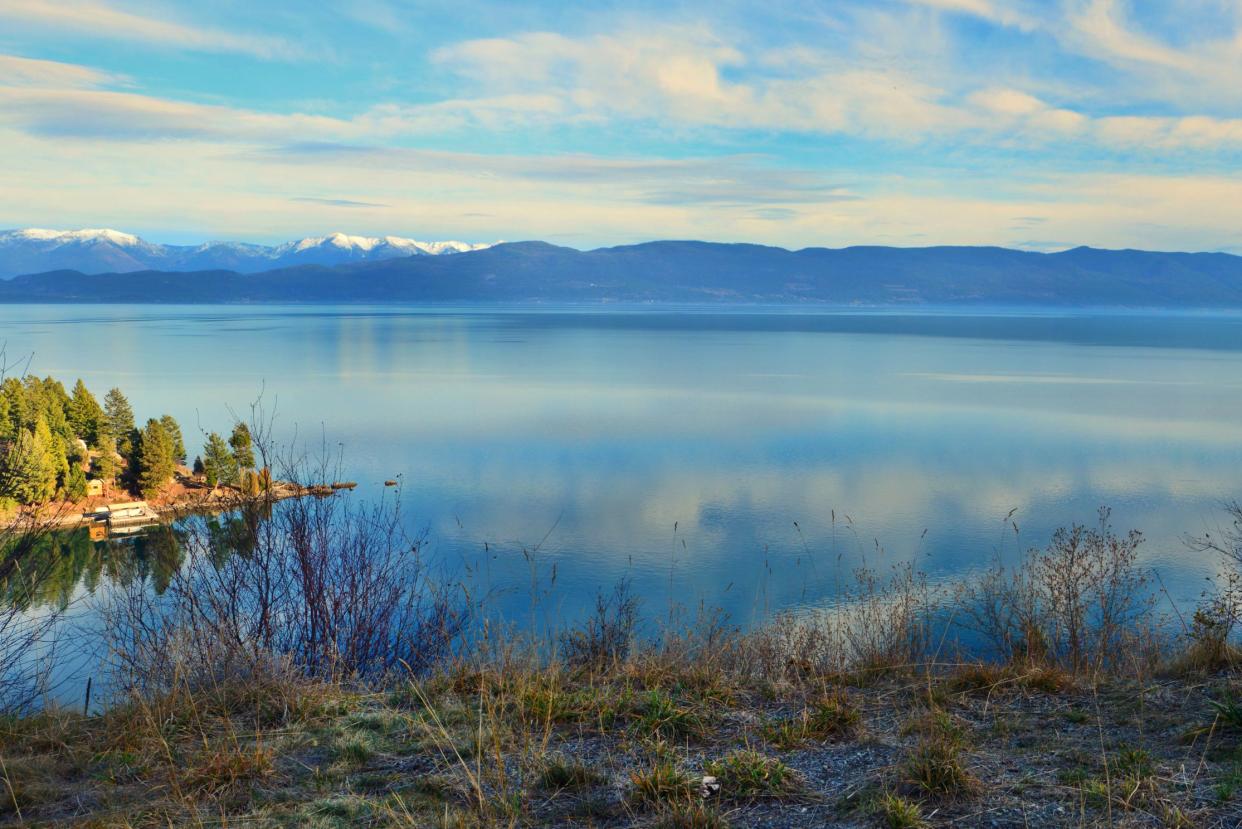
pixel 689 272
pixel 64 446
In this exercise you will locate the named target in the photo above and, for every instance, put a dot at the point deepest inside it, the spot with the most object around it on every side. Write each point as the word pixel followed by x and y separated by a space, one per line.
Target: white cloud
pixel 148 160
pixel 584 200
pixel 684 76
pixel 545 80
pixel 687 78
pixel 1013 109
pixel 125 116
pixel 1000 12
pixel 1101 23
pixel 94 18
pixel 20 71
pixel 1202 71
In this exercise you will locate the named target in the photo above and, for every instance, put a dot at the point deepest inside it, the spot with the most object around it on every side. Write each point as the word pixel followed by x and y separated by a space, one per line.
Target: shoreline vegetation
pixel 327 677
pixel 306 666
pixel 67 461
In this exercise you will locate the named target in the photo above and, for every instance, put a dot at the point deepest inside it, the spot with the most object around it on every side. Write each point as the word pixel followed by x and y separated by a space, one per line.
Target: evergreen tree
pixel 243 447
pixel 75 483
pixel 107 464
pixel 52 461
pixel 21 408
pixel 86 416
pixel 156 463
pixel 119 417
pixel 219 464
pixel 8 426
pixel 174 433
pixel 20 470
pixel 53 405
pixel 28 469
pixel 198 468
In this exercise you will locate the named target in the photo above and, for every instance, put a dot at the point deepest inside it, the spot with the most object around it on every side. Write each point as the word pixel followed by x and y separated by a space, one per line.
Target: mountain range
pixel 685 272
pixel 33 250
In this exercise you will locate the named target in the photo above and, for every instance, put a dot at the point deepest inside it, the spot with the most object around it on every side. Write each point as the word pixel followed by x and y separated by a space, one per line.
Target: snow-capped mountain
pixel 339 247
pixel 35 250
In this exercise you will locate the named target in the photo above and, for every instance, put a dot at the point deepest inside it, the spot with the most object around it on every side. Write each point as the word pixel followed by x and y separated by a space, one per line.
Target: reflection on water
pixel 71 563
pixel 746 460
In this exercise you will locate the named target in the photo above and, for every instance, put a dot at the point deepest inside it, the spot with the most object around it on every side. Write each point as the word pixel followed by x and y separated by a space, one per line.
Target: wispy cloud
pixel 686 76
pixel 732 180
pixel 337 202
pixel 94 18
pixel 1002 12
pixel 694 78
pixel 480 196
pixel 20 71
pixel 1102 24
pixel 547 80
pixel 126 116
pixel 904 121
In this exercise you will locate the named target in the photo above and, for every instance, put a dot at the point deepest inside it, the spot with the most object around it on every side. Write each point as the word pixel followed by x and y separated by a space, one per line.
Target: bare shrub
pixel 1001 606
pixel 878 625
pixel 1081 603
pixel 27 645
pixel 791 646
pixel 1091 592
pixel 329 588
pixel 1226 600
pixel 890 623
pixel 27 628
pixel 605 637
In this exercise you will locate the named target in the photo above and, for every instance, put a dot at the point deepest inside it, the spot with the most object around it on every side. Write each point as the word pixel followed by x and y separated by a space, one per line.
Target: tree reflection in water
pixel 75 565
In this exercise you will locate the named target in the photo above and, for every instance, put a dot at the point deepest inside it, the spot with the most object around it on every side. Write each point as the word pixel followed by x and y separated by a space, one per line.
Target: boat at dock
pixel 128 516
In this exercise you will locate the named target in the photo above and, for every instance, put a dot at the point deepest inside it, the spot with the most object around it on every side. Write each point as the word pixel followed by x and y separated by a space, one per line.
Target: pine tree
pixel 21 408
pixel 119 417
pixel 8 426
pixel 28 469
pixel 243 447
pixel 75 483
pixel 48 402
pixel 174 433
pixel 155 459
pixel 52 462
pixel 107 464
pixel 219 465
pixel 21 470
pixel 86 416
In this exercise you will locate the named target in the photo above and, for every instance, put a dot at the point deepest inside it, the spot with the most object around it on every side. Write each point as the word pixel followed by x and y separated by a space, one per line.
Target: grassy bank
pixel 662 738
pixel 316 676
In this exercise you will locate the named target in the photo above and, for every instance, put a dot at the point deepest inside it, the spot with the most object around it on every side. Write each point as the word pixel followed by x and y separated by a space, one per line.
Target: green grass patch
pixel 747 775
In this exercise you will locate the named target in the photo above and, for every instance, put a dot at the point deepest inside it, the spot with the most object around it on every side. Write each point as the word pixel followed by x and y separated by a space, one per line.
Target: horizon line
pixel 434 239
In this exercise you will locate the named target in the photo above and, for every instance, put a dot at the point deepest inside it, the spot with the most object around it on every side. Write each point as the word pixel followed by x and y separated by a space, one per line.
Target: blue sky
pixel 1042 125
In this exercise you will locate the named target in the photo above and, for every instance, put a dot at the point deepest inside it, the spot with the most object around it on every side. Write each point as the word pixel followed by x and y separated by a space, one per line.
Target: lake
pixel 741 459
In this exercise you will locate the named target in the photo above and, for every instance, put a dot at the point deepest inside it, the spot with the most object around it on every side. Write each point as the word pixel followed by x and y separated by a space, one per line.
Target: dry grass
pixel 936 767
pixel 662 783
pixel 826 720
pixel 749 775
pixel 526 747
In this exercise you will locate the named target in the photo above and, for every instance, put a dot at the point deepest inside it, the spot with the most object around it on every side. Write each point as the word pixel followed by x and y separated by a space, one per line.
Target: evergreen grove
pixel 54 442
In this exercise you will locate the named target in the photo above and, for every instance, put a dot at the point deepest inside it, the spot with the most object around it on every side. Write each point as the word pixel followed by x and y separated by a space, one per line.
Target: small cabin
pixel 94 487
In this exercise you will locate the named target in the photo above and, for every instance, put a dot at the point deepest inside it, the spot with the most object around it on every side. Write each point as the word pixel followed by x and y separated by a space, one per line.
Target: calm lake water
pixel 742 459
